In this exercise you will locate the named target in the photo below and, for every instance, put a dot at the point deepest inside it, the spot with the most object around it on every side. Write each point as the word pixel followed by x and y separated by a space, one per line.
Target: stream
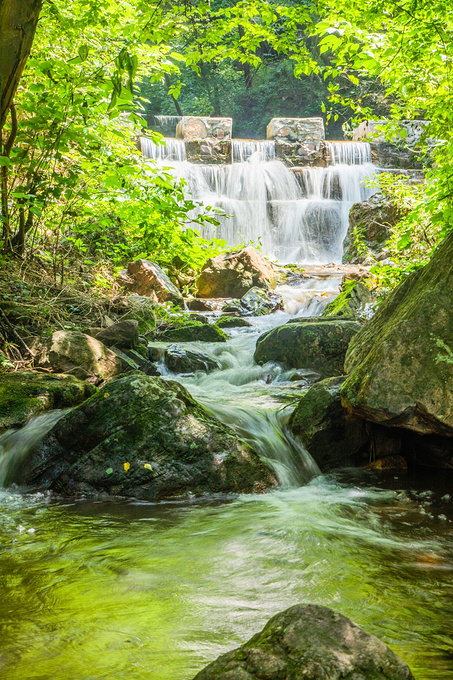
pixel 129 590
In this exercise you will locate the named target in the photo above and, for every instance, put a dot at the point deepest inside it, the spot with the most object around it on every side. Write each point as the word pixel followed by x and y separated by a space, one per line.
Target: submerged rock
pixel 233 274
pixel 309 642
pixel 78 354
pixel 148 279
pixel 401 362
pixel 25 394
pixel 317 345
pixel 148 438
pixel 181 360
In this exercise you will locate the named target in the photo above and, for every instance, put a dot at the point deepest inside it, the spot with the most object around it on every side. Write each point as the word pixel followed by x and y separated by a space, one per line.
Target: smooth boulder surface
pixel 320 345
pixel 78 354
pixel 192 331
pixel 147 278
pixel 24 394
pixel 233 274
pixel 181 360
pixel 309 642
pixel 143 437
pixel 123 334
pixel 401 362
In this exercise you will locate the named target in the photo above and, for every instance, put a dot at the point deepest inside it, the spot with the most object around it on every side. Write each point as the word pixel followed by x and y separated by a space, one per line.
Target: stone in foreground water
pixel 309 642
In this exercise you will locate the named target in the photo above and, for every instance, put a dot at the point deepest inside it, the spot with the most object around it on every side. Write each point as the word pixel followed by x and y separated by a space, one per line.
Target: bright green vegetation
pixel 140 592
pixel 74 186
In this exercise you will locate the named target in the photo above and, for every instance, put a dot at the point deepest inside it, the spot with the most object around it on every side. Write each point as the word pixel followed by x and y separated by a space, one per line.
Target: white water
pixel 243 149
pixel 16 445
pixel 252 399
pixel 296 216
pixel 172 149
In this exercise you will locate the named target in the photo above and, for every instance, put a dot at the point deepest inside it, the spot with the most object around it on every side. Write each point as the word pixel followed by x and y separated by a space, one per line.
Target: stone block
pixel 306 130
pixel 208 151
pixel 197 127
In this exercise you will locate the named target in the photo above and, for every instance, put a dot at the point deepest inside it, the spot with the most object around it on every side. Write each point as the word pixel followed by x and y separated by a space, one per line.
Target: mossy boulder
pixel 123 334
pixel 181 360
pixel 148 438
pixel 139 308
pixel 191 331
pixel 334 437
pixel 352 303
pixel 232 322
pixel 401 362
pixel 310 642
pixel 25 394
pixel 318 345
pixel 370 227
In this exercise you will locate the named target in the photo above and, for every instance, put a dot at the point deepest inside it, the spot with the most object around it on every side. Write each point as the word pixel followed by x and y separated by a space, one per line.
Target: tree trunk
pixel 18 21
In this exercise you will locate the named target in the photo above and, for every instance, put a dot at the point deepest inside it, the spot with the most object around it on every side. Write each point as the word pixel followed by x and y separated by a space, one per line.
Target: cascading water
pixel 243 149
pixel 297 215
pixel 16 445
pixel 172 150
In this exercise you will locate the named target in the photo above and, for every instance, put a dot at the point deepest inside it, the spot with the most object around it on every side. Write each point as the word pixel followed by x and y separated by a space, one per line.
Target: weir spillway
pixel 297 213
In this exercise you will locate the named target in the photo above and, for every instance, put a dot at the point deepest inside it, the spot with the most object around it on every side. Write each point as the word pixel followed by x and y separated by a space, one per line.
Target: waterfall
pixel 172 149
pixel 243 149
pixel 15 445
pixel 349 153
pixel 296 215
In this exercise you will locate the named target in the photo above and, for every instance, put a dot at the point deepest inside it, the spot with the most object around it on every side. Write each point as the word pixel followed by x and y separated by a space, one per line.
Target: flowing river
pixel 127 590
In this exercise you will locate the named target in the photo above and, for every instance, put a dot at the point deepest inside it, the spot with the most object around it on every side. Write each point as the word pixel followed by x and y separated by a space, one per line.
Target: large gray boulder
pixel 309 642
pixel 233 274
pixel 148 279
pixel 370 227
pixel 181 360
pixel 143 437
pixel 400 364
pixel 79 355
pixel 317 344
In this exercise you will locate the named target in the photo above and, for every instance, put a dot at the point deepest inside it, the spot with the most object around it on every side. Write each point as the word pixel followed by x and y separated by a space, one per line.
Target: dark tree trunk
pixel 18 21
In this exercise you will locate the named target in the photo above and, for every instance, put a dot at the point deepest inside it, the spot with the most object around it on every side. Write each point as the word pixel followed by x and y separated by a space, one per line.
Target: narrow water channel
pixel 138 591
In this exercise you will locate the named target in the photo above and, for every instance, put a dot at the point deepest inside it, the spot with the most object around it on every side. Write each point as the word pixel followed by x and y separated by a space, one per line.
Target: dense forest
pixel 72 180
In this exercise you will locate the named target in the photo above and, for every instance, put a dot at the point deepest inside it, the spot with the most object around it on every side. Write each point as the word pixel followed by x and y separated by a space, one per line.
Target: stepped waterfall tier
pixel 297 214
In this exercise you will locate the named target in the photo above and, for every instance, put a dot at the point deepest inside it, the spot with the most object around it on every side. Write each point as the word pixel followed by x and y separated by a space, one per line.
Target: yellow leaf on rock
pixel 126 466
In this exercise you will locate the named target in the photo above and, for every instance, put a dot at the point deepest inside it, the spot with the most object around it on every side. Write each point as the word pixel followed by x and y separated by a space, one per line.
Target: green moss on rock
pixel 317 345
pixel 28 393
pixel 145 437
pixel 400 375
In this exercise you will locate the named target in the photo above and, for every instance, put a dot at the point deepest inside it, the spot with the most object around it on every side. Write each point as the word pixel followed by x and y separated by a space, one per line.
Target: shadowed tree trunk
pixel 18 20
